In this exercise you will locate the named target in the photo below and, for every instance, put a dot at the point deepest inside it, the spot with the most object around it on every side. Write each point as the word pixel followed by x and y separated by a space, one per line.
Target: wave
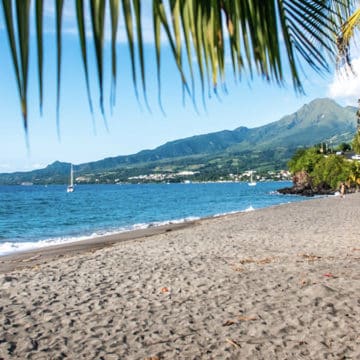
pixel 250 208
pixel 8 247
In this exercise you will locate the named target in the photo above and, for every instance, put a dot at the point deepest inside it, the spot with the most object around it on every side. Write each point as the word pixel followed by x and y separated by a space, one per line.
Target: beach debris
pixel 238 319
pixel 310 257
pixel 247 318
pixel 263 261
pixel 165 290
pixel 238 268
pixel 233 343
pixel 229 323
pixel 329 275
pixel 304 282
pixel 247 261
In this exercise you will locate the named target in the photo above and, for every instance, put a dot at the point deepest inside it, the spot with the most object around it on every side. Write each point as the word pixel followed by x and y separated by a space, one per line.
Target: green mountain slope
pixel 320 120
pixel 265 147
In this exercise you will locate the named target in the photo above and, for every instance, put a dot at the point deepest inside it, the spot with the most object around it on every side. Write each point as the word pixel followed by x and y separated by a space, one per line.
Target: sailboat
pixel 252 182
pixel 70 187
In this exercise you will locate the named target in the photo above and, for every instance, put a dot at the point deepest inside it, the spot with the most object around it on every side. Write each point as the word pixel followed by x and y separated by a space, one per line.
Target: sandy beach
pixel 276 283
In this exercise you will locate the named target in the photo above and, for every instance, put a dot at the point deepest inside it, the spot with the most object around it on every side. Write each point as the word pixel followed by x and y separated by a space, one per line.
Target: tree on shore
pixel 356 140
pixel 356 143
pixel 263 37
pixel 324 171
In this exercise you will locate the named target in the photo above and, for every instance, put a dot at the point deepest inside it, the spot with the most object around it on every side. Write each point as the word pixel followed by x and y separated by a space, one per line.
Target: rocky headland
pixel 303 185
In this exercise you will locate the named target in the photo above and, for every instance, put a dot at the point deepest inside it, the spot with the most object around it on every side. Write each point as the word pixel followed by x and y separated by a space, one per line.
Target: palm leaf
pixel 346 34
pixel 140 42
pixel 254 29
pixel 82 37
pixel 130 35
pixel 59 11
pixel 157 39
pixel 20 59
pixel 351 24
pixel 97 9
pixel 160 11
pixel 114 15
pixel 39 37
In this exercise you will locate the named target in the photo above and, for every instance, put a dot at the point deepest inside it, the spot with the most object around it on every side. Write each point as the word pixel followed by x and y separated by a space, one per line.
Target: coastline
pixel 275 283
pixel 80 218
pixel 34 257
pixel 41 255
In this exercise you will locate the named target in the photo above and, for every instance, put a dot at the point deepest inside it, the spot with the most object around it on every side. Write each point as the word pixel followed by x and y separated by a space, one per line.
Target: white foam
pixel 250 208
pixel 226 213
pixel 13 247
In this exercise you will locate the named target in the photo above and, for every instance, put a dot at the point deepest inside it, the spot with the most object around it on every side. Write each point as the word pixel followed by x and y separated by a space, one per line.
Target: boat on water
pixel 27 183
pixel 70 187
pixel 252 181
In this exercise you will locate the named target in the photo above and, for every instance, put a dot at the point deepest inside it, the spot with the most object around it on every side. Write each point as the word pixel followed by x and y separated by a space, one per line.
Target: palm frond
pixel 114 15
pixel 80 16
pixel 19 40
pixel 140 44
pixel 39 37
pixel 351 24
pixel 255 36
pixel 343 41
pixel 58 15
pixel 128 18
pixel 97 9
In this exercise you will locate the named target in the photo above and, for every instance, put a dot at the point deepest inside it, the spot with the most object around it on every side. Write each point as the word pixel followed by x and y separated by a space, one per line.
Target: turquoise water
pixel 35 216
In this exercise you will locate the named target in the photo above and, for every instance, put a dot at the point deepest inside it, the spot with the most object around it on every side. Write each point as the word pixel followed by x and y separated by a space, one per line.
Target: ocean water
pixel 37 216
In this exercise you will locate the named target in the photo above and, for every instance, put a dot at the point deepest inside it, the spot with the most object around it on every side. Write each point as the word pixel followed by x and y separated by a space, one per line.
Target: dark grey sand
pixel 277 283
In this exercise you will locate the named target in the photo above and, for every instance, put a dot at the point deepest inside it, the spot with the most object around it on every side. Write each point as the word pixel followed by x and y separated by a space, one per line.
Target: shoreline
pixel 27 257
pixel 276 283
pixel 52 228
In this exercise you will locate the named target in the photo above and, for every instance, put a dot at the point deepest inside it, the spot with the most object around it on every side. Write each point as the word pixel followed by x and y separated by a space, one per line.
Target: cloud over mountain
pixel 345 85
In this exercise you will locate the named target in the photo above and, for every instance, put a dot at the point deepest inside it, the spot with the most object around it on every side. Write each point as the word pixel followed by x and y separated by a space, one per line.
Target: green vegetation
pixel 330 171
pixel 215 156
pixel 344 147
pixel 305 160
pixel 326 170
pixel 356 143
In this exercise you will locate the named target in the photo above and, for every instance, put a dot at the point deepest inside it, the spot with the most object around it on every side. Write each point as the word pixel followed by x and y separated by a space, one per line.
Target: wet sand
pixel 277 283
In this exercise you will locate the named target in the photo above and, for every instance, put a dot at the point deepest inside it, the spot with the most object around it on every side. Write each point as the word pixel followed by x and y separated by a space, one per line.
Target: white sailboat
pixel 252 181
pixel 70 187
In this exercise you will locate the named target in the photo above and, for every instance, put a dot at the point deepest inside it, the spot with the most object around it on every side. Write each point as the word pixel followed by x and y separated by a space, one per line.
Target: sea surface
pixel 37 216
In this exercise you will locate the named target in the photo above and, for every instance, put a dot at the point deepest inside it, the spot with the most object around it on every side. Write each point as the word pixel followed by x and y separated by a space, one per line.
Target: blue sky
pixel 132 127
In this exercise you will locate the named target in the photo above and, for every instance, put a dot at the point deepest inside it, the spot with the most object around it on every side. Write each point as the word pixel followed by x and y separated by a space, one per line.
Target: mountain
pixel 265 147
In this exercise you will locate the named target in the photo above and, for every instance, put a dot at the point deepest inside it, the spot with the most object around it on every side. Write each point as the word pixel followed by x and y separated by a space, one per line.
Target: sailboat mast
pixel 72 176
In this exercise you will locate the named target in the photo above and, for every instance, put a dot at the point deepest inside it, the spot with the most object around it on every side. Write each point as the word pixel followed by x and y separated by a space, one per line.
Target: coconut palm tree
pixel 258 36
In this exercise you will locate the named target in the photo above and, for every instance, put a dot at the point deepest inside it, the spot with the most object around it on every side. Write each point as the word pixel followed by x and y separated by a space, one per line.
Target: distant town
pixel 190 177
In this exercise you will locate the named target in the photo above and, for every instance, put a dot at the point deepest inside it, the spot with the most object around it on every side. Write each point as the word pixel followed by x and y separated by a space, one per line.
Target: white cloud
pixel 345 85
